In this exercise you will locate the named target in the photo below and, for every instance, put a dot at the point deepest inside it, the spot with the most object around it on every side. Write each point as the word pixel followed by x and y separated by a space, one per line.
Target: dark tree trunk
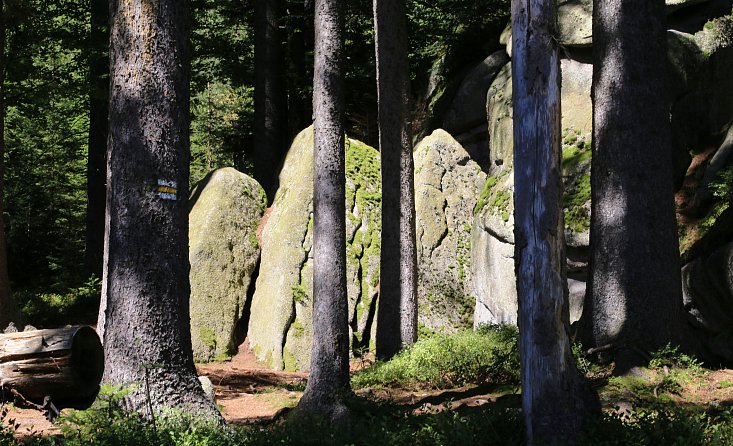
pixel 397 314
pixel 555 398
pixel 8 308
pixel 300 34
pixel 329 373
pixel 144 316
pixel 98 126
pixel 270 101
pixel 634 300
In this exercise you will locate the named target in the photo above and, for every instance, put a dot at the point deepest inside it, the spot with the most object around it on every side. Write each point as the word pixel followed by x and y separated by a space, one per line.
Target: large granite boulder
pixel 226 207
pixel 575 22
pixel 700 91
pixel 280 328
pixel 447 184
pixel 707 285
pixel 492 236
pixel 465 115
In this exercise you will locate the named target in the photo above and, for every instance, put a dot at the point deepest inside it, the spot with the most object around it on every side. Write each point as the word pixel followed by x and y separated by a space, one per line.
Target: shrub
pixel 488 355
pixel 47 309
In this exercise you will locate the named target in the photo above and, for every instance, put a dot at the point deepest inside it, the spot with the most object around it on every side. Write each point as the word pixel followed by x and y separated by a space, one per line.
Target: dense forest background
pixel 50 49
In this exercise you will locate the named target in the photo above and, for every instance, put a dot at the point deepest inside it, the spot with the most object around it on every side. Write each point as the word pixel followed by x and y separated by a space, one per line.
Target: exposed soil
pixel 248 393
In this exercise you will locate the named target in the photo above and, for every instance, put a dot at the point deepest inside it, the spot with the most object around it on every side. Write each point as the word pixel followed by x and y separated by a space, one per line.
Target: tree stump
pixel 64 364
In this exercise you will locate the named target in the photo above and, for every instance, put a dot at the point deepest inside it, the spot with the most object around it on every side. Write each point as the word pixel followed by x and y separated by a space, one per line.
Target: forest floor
pixel 249 393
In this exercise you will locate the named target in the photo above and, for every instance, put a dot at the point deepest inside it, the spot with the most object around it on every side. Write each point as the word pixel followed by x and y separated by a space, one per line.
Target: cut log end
pixel 64 364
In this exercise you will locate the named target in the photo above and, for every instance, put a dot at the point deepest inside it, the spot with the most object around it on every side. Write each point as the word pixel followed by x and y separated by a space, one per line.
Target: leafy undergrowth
pixel 488 355
pixel 54 309
pixel 667 403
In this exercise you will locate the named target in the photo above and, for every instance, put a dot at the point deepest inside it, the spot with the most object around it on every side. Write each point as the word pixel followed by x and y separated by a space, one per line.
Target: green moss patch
pixel 577 194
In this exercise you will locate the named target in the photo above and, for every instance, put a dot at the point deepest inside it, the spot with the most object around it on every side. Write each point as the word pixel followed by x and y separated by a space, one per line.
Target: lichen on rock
pixel 226 208
pixel 447 186
pixel 280 329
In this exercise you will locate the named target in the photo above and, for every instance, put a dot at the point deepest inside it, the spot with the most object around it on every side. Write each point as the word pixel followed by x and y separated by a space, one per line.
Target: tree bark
pixel 65 364
pixel 98 128
pixel 270 96
pixel 144 317
pixel 300 37
pixel 329 373
pixel 397 313
pixel 634 299
pixel 555 398
pixel 8 308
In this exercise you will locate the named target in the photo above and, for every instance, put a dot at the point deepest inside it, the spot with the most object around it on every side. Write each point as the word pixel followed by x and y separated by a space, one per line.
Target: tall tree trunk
pixel 329 374
pixel 300 34
pixel 8 308
pixel 397 314
pixel 98 127
pixel 634 300
pixel 555 398
pixel 270 96
pixel 145 315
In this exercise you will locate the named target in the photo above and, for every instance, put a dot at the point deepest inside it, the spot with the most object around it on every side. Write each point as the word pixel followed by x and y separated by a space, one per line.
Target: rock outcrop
pixel 447 184
pixel 280 328
pixel 700 89
pixel 492 235
pixel 226 207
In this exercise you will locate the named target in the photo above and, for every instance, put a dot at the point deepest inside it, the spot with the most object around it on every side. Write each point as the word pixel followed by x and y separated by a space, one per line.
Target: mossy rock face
pixel 492 235
pixel 447 184
pixel 575 22
pixel 280 329
pixel 223 250
pixel 700 89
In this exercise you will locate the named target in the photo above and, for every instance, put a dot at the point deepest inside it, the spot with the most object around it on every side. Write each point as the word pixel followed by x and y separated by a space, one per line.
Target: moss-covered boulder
pixel 575 22
pixel 447 184
pixel 700 91
pixel 492 235
pixel 226 207
pixel 280 329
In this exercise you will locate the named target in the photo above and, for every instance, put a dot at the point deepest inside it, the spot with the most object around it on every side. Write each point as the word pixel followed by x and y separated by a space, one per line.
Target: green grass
pixel 374 423
pixel 488 355
pixel 653 421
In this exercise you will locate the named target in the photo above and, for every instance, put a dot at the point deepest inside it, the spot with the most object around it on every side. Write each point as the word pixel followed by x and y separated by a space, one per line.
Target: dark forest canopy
pixel 47 86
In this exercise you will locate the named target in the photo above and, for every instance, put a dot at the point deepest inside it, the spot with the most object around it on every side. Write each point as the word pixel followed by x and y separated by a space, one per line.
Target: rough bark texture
pixel 299 73
pixel 634 300
pixel 555 398
pixel 98 126
pixel 65 364
pixel 329 374
pixel 397 313
pixel 270 96
pixel 8 308
pixel 144 316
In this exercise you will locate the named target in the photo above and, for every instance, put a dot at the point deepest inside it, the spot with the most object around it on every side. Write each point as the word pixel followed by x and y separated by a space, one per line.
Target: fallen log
pixel 62 365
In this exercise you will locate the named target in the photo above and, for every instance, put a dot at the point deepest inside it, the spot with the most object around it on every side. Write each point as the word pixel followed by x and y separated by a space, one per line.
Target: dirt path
pixel 248 393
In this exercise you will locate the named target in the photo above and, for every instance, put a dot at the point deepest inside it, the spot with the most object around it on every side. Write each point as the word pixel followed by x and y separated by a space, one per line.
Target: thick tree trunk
pixel 555 398
pixel 634 300
pixel 300 35
pixel 8 308
pixel 65 364
pixel 270 100
pixel 329 373
pixel 98 127
pixel 397 314
pixel 145 315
